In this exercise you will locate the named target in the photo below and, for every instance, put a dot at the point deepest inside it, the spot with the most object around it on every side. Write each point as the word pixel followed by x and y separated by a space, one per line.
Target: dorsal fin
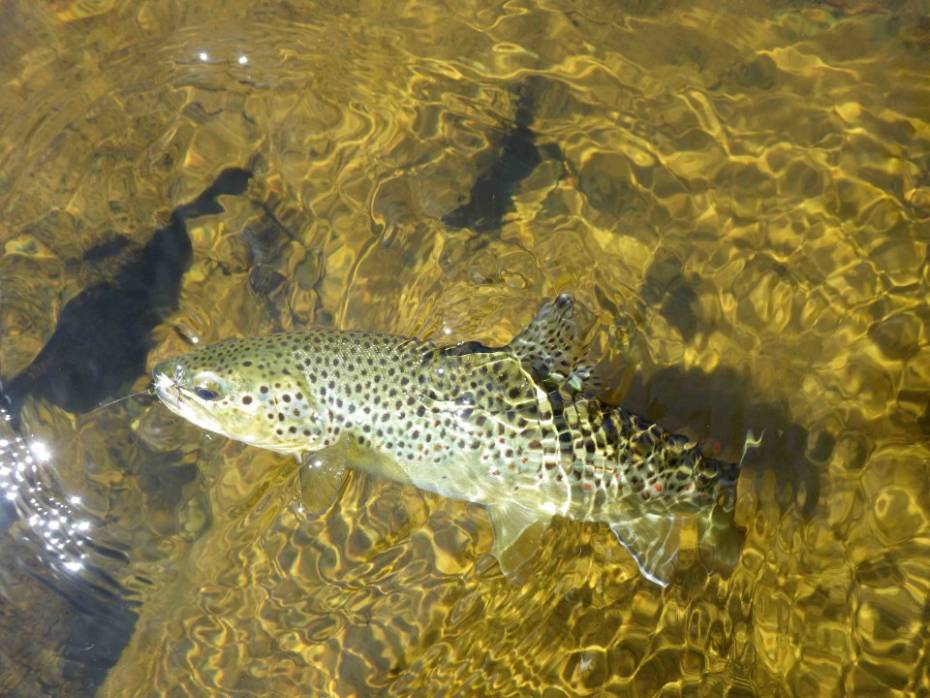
pixel 553 346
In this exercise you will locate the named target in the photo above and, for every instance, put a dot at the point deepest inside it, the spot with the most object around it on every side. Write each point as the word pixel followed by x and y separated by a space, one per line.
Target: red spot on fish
pixel 657 487
pixel 587 486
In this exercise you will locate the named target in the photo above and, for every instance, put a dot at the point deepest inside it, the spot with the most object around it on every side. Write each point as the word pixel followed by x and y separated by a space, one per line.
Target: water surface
pixel 739 193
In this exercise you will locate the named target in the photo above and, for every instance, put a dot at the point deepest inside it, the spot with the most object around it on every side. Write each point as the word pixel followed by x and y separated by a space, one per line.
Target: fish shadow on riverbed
pixel 515 156
pixel 103 335
pixel 723 404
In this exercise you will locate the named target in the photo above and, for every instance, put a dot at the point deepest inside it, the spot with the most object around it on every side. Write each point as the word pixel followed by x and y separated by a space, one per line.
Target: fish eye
pixel 207 388
pixel 206 393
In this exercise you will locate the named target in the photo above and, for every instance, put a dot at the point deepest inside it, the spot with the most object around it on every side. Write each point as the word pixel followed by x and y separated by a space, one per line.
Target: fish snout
pixel 166 379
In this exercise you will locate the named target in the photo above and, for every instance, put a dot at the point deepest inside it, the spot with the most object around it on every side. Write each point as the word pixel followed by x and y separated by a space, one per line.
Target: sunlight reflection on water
pixel 56 520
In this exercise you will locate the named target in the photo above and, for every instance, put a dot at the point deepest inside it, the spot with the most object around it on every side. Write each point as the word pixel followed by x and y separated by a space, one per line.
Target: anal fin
pixel 517 534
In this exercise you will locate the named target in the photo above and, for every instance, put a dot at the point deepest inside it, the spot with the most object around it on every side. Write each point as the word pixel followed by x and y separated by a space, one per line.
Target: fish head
pixel 250 390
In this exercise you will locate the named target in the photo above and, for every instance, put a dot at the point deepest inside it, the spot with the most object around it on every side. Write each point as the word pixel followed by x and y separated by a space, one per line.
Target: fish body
pixel 502 427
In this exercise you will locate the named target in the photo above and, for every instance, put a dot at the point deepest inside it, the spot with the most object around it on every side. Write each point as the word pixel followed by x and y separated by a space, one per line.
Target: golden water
pixel 739 191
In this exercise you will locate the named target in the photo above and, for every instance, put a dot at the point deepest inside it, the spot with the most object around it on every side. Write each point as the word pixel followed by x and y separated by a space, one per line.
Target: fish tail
pixel 726 477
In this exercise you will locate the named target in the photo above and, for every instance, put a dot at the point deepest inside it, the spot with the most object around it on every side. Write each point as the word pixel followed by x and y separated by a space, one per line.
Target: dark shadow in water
pixel 103 334
pixel 491 196
pixel 99 346
pixel 723 404
pixel 107 249
pixel 97 633
pixel 7 514
pixel 85 627
pixel 665 286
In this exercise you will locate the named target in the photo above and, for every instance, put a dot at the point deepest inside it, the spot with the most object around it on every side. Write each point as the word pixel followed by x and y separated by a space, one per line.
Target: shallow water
pixel 739 192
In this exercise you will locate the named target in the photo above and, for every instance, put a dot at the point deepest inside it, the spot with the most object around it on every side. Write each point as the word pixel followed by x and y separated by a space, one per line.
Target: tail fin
pixel 654 542
pixel 662 545
pixel 727 477
pixel 663 541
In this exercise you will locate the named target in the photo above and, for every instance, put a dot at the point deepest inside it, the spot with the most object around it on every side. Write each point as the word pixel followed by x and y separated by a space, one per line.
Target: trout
pixel 511 428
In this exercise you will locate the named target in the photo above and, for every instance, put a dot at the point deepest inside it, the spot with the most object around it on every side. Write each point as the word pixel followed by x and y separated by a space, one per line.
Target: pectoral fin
pixel 322 478
pixel 656 543
pixel 517 534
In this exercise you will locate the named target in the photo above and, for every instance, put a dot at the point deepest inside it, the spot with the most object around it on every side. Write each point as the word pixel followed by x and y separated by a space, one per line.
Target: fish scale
pixel 504 427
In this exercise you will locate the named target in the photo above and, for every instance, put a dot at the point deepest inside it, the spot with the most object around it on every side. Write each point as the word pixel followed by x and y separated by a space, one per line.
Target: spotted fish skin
pixel 498 427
